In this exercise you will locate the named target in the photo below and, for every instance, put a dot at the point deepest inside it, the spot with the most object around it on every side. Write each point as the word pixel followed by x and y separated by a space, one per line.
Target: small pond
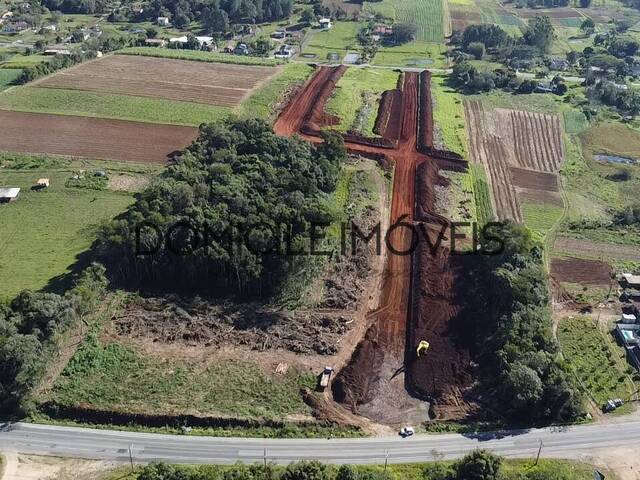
pixel 615 159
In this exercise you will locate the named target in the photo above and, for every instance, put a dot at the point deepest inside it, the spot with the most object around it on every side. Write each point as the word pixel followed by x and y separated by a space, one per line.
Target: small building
pixel 544 88
pixel 279 34
pixel 296 34
pixel 558 64
pixel 629 335
pixel 51 28
pixel 57 51
pixel 15 27
pixel 163 21
pixel 241 49
pixel 155 42
pixel 630 281
pixel 628 318
pixel 42 183
pixel 8 195
pixel 383 30
pixel 285 51
pixel 325 23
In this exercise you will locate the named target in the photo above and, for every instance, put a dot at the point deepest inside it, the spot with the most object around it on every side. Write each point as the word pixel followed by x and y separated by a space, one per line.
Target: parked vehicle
pixel 407 432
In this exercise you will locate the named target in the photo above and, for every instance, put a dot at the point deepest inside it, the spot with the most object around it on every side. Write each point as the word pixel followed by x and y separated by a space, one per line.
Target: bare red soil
pixel 92 137
pixel 372 384
pixel 580 270
pixel 171 79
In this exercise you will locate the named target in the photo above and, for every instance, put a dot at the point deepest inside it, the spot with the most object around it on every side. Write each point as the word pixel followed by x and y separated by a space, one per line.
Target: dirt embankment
pixel 439 313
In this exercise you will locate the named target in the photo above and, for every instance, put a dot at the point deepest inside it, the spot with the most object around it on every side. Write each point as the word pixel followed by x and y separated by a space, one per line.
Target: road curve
pixel 565 442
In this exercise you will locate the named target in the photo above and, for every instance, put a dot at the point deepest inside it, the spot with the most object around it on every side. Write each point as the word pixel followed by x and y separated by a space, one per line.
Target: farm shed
pixel 155 42
pixel 630 281
pixel 630 338
pixel 43 183
pixel 8 195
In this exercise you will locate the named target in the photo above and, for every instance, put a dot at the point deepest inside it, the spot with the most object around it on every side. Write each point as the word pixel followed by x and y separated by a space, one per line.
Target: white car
pixel 407 432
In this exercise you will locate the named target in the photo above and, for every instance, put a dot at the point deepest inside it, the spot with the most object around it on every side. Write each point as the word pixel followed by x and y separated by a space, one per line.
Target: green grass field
pixel 414 54
pixel 7 76
pixel 198 56
pixel 43 232
pixel 23 61
pixel 340 39
pixel 263 102
pixel 113 376
pixel 597 362
pixel 448 115
pixel 541 218
pixel 427 15
pixel 348 101
pixel 104 105
pixel 481 194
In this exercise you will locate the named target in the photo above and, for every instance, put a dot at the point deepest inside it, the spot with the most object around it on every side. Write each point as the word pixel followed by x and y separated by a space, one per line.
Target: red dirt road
pixel 91 137
pixel 368 384
pixel 374 383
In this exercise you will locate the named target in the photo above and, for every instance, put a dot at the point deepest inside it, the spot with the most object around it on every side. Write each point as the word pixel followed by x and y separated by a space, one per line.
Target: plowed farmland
pixel 578 270
pixel 198 82
pixel 91 137
pixel 521 152
pixel 372 384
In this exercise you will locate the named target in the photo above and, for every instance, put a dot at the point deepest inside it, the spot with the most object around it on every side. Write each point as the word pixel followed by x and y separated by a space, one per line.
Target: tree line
pixel 29 327
pixel 518 355
pixel 236 192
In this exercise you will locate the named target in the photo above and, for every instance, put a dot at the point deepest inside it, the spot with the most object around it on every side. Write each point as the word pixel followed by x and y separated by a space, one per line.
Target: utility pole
pixel 131 456
pixel 539 452
pixel 265 459
pixel 386 460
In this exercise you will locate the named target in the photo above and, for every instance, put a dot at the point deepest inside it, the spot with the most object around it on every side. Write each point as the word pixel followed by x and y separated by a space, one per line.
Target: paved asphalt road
pixel 565 442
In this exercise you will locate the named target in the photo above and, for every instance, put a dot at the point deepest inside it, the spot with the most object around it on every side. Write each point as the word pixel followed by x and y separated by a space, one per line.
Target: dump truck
pixel 326 375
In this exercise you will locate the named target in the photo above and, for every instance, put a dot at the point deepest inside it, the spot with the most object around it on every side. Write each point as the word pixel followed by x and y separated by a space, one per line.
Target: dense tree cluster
pixel 518 354
pixel 616 95
pixel 30 322
pixel 216 15
pixel 242 190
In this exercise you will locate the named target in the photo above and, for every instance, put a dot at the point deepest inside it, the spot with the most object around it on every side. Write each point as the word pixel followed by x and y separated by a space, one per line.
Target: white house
pixel 325 23
pixel 163 21
pixel 8 195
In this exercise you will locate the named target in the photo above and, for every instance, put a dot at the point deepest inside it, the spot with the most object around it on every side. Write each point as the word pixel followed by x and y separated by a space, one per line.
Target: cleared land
pixel 518 150
pixel 198 56
pixel 182 80
pixel 91 137
pixel 592 249
pixel 579 270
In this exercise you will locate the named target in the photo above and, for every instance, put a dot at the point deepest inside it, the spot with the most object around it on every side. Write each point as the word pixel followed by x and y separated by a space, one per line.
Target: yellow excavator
pixel 423 347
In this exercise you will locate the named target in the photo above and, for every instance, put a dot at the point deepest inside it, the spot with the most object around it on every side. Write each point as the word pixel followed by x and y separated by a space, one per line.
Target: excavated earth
pixel 417 299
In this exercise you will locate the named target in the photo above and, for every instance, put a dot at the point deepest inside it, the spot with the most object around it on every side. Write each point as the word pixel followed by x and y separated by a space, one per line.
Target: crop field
pixel 356 98
pixel 519 150
pixel 44 232
pixel 596 361
pixel 428 15
pixel 92 137
pixel 540 218
pixel 181 80
pixel 107 105
pixel 580 270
